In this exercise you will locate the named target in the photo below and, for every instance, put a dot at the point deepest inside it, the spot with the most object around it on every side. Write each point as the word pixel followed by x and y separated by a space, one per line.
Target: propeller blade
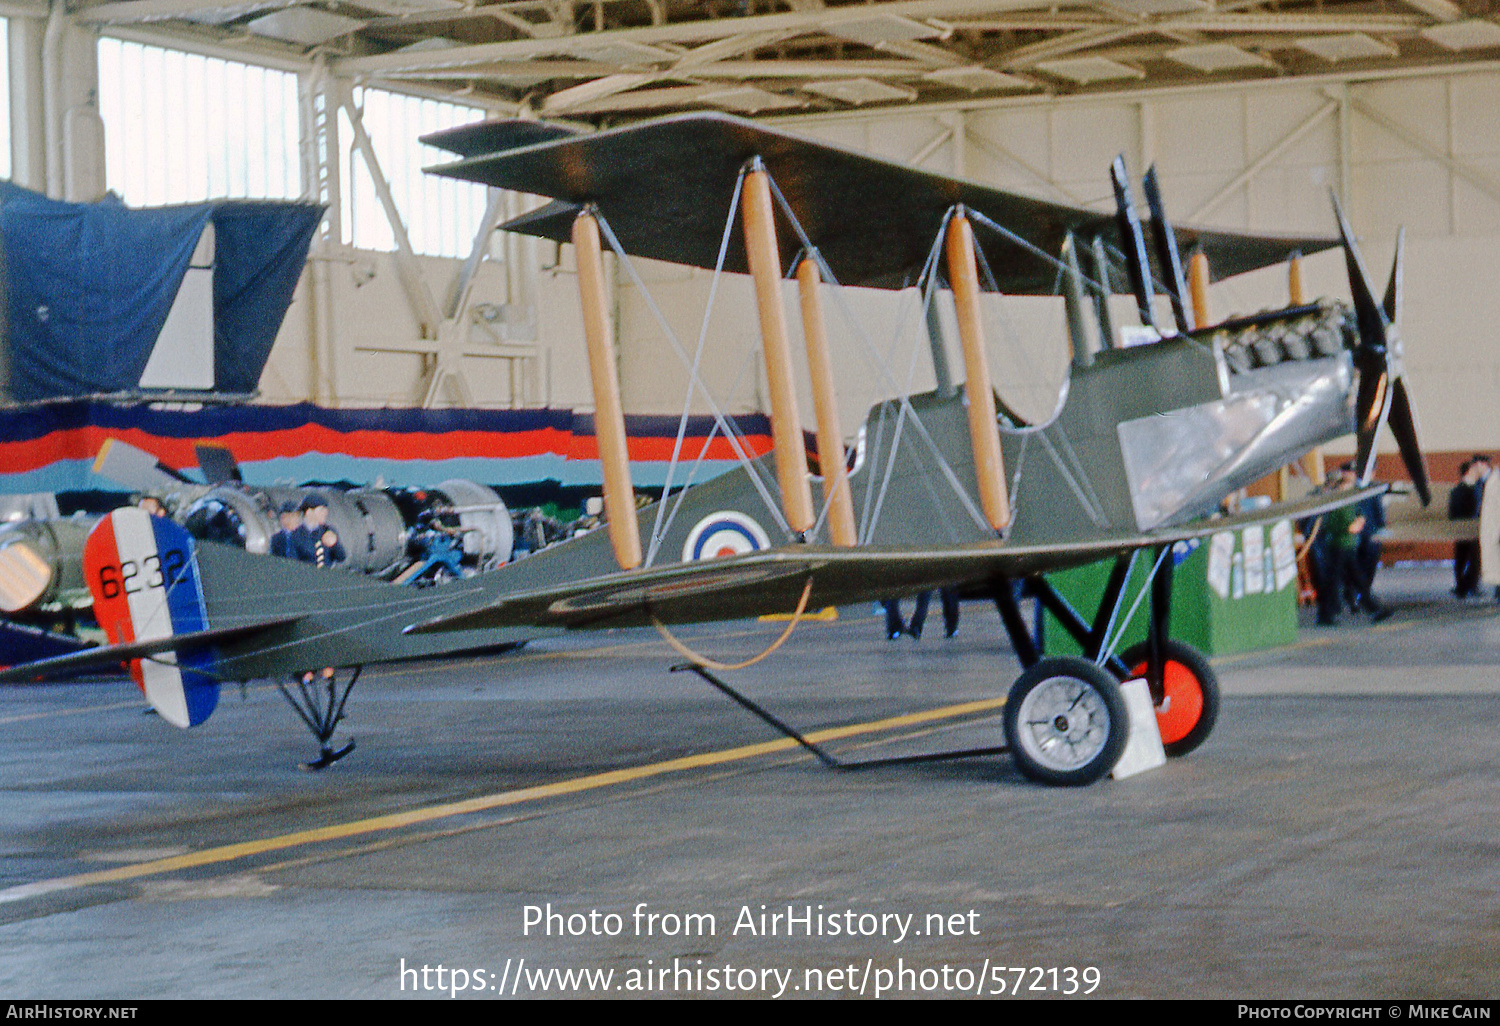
pixel 1132 240
pixel 1167 256
pixel 1373 407
pixel 1403 421
pixel 1371 317
pixel 1392 304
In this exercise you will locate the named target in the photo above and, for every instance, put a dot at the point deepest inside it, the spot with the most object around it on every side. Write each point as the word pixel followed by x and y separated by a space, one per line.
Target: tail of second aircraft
pixel 143 574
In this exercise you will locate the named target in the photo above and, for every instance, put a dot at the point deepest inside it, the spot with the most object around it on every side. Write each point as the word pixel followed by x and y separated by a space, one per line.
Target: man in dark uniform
pixel 1323 559
pixel 949 598
pixel 284 540
pixel 1464 503
pixel 315 542
pixel 1358 587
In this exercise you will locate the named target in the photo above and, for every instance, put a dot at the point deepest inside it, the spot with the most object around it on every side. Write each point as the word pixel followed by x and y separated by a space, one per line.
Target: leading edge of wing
pixel 104 655
pixel 665 188
pixel 486 137
pixel 772 581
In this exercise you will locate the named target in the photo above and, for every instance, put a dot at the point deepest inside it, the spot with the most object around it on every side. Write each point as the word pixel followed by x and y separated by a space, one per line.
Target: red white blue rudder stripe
pixel 143 573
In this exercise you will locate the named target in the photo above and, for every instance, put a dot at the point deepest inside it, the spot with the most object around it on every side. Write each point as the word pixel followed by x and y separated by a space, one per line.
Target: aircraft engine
pixel 376 526
pixel 489 534
pixel 41 561
pixel 368 523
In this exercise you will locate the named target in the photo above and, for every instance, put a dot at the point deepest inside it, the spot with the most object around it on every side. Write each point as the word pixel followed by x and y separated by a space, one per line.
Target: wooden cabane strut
pixel 1198 287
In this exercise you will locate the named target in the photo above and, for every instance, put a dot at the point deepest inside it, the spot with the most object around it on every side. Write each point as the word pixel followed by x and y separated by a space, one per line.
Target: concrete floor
pixel 1335 837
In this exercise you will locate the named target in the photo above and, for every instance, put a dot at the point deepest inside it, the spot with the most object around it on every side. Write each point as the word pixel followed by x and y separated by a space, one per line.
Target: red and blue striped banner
pixel 52 447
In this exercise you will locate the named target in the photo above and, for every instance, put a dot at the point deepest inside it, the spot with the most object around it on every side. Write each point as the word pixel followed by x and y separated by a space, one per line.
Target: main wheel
pixel 1191 702
pixel 1065 722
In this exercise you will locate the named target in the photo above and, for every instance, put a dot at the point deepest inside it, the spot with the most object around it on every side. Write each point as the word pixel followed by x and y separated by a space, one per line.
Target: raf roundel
pixel 724 534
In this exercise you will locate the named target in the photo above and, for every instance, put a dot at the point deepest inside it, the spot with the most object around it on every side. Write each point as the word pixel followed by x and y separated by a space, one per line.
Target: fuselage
pixel 1147 437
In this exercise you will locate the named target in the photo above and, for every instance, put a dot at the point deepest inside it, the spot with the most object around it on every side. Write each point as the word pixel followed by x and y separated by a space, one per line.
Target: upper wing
pixel 772 581
pixel 493 136
pixel 665 188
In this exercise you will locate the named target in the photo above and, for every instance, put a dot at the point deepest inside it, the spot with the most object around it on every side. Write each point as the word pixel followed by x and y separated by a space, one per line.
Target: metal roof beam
pixel 681 32
pixel 133 12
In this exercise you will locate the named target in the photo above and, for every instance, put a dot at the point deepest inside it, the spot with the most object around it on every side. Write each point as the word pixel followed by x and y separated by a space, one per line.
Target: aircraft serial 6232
pixel 1146 445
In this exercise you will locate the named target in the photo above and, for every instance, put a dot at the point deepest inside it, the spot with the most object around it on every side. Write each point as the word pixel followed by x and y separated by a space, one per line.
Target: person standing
pixel 1370 540
pixel 1464 503
pixel 1323 559
pixel 895 626
pixel 1358 587
pixel 315 542
pixel 949 599
pixel 283 541
pixel 1344 526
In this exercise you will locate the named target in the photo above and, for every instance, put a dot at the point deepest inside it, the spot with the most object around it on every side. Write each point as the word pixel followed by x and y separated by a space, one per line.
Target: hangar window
pixel 4 96
pixel 441 215
pixel 180 127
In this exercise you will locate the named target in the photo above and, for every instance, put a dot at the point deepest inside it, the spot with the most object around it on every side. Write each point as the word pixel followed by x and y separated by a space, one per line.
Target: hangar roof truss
pixel 610 61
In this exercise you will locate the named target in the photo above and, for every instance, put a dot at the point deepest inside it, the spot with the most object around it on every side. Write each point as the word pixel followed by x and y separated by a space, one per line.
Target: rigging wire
pixel 694 379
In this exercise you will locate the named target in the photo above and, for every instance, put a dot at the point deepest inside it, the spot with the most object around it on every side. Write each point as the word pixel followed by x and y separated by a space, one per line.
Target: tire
pixel 1192 695
pixel 1065 722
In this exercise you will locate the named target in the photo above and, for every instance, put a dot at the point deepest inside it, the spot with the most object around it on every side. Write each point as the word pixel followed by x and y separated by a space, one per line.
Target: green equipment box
pixel 1232 592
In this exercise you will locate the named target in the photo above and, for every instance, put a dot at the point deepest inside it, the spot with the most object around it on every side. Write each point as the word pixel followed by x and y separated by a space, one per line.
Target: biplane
pixel 947 488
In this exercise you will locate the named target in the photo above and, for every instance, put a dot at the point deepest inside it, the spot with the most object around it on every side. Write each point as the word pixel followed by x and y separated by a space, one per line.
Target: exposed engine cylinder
pixel 489 535
pixel 367 521
pixel 377 527
pixel 41 561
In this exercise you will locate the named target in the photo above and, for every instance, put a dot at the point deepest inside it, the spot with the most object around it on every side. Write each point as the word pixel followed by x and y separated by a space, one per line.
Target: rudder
pixel 143 573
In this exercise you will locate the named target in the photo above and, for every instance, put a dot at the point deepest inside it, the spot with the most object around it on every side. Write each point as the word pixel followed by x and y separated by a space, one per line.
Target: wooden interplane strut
pixel 1294 284
pixel 1198 288
pixel 841 529
pixel 764 259
pixel 984 432
pixel 609 417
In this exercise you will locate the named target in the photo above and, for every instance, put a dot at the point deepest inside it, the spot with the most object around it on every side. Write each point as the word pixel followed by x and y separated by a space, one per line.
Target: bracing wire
pixel 695 381
pixel 658 529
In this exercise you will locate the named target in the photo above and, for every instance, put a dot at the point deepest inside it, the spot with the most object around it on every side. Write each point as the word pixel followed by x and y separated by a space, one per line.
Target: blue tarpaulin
pixel 88 286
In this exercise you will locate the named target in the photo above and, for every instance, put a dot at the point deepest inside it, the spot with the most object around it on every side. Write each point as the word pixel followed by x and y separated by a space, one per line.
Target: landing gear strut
pixel 321 708
pixel 1183 686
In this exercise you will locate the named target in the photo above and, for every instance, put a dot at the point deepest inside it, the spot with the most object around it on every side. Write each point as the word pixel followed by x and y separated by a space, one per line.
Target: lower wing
pixel 773 581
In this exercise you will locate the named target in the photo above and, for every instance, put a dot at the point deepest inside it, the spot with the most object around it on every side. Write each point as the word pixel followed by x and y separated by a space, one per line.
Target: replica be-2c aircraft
pixel 1147 443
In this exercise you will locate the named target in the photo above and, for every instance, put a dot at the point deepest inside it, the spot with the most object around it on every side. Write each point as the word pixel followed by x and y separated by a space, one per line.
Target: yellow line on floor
pixel 502 799
pixel 50 713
